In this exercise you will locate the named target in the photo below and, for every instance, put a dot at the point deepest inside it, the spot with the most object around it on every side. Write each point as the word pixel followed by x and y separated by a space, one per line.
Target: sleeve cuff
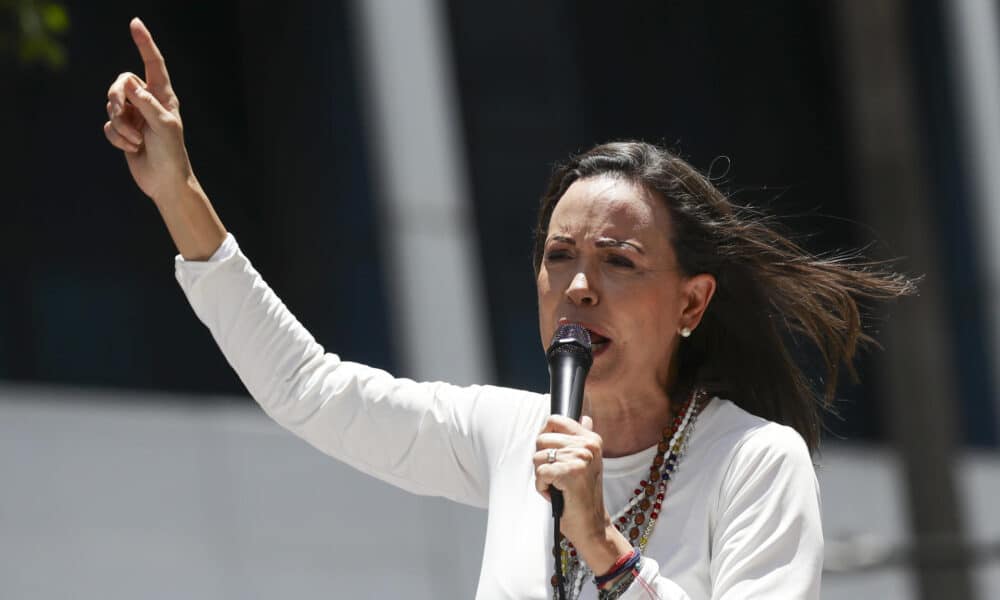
pixel 649 579
pixel 189 271
pixel 227 248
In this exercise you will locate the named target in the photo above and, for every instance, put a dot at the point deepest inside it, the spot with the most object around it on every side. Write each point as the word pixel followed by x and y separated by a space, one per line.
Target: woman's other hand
pixel 577 471
pixel 144 121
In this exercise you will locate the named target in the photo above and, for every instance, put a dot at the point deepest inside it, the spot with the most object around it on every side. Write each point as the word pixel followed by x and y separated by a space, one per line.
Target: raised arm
pixel 428 438
pixel 144 121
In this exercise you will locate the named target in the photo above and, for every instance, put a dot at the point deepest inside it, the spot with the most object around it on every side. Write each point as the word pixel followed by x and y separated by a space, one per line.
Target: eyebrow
pixel 604 242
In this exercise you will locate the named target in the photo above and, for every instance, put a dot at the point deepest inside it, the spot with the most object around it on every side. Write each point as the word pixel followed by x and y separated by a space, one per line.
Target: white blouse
pixel 740 519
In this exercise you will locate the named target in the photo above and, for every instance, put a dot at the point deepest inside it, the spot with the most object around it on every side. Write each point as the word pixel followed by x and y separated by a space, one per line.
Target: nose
pixel 580 292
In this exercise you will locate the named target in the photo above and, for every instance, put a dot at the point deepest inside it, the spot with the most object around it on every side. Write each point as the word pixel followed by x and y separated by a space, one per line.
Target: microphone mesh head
pixel 571 333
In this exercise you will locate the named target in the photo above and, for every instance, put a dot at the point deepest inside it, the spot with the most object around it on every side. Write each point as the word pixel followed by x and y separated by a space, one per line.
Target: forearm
pixel 191 220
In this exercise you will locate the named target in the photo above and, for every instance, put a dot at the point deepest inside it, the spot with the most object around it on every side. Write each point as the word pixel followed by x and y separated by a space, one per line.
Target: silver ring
pixel 552 455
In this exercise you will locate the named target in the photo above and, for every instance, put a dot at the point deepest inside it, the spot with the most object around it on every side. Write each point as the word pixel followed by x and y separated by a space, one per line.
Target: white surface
pixel 980 479
pixel 120 499
pixel 122 495
pixel 862 497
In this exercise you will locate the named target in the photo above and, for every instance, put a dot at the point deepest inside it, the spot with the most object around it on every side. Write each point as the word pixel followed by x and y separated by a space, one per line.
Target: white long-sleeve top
pixel 741 515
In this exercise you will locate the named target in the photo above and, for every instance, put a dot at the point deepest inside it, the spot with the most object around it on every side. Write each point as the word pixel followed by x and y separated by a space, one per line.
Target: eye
pixel 620 261
pixel 556 255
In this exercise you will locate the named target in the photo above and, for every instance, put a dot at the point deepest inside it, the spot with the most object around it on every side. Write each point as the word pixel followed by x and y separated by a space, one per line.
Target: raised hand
pixel 144 121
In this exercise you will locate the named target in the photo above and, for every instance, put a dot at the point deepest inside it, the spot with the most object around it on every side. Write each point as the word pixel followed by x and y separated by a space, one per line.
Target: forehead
pixel 610 206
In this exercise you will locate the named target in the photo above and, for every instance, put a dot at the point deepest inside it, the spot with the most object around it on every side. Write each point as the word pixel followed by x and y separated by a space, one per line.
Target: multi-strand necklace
pixel 636 520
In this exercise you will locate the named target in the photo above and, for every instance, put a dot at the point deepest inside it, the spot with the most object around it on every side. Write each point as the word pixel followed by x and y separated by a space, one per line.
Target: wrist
pixel 604 549
pixel 191 221
pixel 183 189
pixel 621 574
pixel 616 587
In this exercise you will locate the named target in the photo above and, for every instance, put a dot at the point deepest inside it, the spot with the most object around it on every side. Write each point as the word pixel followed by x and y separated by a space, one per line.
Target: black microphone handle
pixel 567 375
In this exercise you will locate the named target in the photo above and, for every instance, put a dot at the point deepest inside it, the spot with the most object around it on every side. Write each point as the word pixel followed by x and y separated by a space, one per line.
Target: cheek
pixel 544 291
pixel 659 310
pixel 544 287
pixel 541 286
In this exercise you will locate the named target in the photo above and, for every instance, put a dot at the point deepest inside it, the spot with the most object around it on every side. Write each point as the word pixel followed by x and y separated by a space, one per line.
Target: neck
pixel 629 423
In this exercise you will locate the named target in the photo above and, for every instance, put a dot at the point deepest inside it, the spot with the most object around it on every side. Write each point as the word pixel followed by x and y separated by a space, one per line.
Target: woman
pixel 671 491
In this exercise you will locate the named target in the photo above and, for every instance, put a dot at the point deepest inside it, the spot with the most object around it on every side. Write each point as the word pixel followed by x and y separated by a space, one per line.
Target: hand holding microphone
pixel 568 453
pixel 569 357
pixel 569 457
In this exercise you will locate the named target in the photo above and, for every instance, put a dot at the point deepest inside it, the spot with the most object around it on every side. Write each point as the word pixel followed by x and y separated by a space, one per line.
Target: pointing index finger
pixel 156 69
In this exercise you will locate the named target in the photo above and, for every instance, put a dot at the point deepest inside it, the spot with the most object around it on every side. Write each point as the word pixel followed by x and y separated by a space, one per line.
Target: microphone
pixel 569 360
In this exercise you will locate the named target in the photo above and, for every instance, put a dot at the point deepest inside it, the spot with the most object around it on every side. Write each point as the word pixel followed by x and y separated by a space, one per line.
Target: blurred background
pixel 380 161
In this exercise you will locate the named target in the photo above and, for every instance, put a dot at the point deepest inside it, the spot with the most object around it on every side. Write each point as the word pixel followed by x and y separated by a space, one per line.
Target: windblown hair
pixel 770 292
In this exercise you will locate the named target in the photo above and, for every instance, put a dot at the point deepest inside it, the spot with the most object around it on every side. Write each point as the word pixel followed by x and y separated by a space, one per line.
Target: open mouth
pixel 598 342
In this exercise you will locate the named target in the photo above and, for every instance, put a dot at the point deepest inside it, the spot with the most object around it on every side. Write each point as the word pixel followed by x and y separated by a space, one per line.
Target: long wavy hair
pixel 771 293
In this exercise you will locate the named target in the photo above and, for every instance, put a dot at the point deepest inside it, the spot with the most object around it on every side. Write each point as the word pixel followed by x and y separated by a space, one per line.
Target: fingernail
pixel 116 109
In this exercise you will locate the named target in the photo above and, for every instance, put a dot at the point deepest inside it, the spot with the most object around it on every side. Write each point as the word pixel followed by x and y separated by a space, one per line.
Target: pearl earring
pixel 685 332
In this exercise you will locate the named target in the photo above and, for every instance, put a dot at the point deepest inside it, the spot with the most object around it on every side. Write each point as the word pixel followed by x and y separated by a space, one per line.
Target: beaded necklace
pixel 637 519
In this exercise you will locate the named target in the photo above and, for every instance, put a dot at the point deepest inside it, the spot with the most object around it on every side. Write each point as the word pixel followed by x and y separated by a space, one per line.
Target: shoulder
pixel 731 430
pixel 764 524
pixel 504 421
pixel 756 454
pixel 499 415
pixel 520 406
pixel 474 410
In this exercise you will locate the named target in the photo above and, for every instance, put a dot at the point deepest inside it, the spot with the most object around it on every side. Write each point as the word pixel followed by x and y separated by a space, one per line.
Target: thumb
pixel 148 106
pixel 587 423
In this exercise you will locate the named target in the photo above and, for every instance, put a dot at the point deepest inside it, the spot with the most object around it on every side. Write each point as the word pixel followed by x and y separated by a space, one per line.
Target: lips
pixel 598 340
pixel 599 343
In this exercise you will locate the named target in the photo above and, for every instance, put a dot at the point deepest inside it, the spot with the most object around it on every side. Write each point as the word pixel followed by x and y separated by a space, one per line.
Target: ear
pixel 697 292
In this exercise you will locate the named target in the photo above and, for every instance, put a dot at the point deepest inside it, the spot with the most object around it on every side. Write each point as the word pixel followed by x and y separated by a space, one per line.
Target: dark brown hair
pixel 770 292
